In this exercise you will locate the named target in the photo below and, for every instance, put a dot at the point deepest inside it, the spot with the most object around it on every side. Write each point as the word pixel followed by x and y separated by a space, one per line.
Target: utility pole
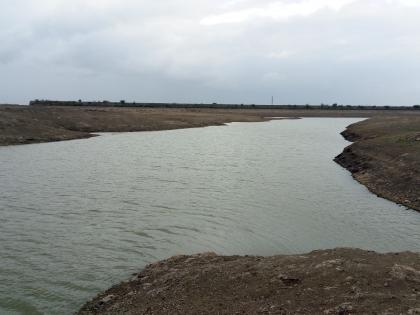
pixel 272 100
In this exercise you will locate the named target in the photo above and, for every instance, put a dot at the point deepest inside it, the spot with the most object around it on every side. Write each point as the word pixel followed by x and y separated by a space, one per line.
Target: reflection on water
pixel 79 216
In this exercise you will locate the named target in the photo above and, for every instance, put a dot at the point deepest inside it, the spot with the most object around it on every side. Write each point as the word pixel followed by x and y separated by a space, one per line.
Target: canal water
pixel 79 216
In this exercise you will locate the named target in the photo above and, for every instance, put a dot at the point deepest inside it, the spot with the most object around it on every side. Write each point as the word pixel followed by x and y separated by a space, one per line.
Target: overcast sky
pixel 237 51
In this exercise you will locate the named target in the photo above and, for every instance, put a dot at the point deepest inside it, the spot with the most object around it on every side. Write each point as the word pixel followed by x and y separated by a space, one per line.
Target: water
pixel 79 216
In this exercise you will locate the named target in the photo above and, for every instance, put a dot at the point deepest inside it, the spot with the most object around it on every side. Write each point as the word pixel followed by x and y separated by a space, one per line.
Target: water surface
pixel 79 216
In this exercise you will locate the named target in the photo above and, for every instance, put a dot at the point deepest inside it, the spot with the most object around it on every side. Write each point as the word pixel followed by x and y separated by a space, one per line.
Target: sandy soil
pixel 340 281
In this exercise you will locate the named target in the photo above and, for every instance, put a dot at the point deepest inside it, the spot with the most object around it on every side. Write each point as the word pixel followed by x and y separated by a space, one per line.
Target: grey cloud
pixel 158 51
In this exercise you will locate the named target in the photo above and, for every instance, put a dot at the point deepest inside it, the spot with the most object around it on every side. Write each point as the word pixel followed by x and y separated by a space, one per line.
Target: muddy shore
pixel 340 281
pixel 385 157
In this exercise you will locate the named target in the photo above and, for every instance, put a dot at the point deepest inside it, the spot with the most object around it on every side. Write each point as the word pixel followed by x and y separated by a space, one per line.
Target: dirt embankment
pixel 385 157
pixel 32 124
pixel 340 281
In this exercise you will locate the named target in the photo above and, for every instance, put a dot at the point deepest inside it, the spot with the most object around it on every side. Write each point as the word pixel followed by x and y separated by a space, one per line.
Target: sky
pixel 234 51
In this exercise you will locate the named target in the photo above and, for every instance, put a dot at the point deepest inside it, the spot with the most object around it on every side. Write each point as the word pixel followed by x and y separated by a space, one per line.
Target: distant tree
pixel 416 106
pixel 79 101
pixel 122 102
pixel 334 105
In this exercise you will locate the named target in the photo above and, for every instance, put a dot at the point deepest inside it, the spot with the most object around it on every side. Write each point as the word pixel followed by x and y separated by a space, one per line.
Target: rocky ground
pixel 340 281
pixel 386 157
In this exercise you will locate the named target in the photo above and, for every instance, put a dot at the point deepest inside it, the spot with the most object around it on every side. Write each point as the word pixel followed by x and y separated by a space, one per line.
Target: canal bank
pixel 339 281
pixel 385 157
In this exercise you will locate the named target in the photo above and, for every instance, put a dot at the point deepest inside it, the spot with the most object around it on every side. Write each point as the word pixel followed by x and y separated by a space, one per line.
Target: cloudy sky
pixel 233 51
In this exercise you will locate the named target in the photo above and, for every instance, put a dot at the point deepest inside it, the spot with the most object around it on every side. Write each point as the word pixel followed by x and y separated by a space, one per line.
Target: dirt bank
pixel 386 157
pixel 340 281
pixel 32 124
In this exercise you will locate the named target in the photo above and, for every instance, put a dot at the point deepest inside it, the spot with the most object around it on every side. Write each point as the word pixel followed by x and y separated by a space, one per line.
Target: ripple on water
pixel 80 216
pixel 18 306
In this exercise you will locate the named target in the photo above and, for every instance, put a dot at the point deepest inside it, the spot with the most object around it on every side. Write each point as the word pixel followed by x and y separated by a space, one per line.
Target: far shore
pixel 35 124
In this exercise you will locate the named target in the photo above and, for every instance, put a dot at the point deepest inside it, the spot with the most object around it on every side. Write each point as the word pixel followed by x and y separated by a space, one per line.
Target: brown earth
pixel 386 157
pixel 340 281
pixel 32 124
